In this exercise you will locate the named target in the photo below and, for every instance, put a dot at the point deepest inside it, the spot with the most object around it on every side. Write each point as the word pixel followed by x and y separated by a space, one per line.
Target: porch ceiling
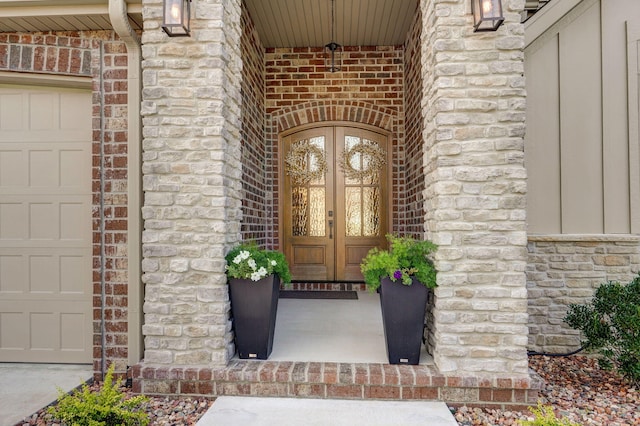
pixel 280 23
pixel 302 23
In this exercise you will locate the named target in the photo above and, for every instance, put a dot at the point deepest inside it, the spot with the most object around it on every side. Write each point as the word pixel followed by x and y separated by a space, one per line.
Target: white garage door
pixel 45 225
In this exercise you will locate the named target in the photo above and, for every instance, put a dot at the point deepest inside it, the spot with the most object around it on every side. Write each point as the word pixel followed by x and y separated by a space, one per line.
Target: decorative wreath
pixel 297 166
pixel 376 159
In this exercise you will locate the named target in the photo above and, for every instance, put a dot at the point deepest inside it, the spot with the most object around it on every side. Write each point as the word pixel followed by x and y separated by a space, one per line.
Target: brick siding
pixel 79 54
pixel 412 216
pixel 256 157
pixel 368 90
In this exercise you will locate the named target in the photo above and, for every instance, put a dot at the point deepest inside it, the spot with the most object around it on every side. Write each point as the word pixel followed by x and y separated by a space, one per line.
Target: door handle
pixel 330 229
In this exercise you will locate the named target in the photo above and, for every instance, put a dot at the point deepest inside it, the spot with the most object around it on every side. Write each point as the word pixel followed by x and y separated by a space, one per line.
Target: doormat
pixel 318 294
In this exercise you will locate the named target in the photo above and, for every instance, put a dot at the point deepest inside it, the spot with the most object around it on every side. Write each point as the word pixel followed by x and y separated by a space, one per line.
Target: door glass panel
pixel 353 211
pixel 299 211
pixel 362 163
pixel 317 212
pixel 371 209
pixel 308 193
pixel 313 161
pixel 353 159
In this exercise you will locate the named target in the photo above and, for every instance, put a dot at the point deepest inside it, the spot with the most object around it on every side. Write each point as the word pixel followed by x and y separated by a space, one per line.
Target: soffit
pixel 279 23
pixel 62 15
pixel 303 23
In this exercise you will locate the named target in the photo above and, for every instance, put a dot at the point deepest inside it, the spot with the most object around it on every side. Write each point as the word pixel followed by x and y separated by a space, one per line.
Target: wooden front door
pixel 334 196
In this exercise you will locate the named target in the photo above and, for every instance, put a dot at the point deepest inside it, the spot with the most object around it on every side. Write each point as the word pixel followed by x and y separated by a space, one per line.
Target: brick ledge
pixel 336 380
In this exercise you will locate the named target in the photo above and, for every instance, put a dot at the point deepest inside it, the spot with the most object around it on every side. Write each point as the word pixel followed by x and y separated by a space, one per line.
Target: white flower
pixel 262 271
pixel 273 263
pixel 252 264
pixel 237 259
pixel 244 254
pixel 255 276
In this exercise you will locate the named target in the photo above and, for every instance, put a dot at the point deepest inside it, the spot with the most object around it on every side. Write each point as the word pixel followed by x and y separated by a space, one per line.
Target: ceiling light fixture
pixel 333 51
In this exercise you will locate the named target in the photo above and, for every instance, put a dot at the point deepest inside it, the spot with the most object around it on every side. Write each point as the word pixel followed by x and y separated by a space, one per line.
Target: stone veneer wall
pixel 79 54
pixel 566 269
pixel 474 110
pixel 192 169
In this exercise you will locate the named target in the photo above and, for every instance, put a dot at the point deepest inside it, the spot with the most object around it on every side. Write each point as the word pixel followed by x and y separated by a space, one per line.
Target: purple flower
pixel 397 274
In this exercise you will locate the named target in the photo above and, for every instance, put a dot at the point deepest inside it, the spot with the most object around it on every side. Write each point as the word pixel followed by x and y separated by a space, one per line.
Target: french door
pixel 334 198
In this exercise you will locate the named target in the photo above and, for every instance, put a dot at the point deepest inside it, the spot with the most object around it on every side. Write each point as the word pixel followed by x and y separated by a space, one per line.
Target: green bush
pixel 544 416
pixel 407 257
pixel 611 326
pixel 105 407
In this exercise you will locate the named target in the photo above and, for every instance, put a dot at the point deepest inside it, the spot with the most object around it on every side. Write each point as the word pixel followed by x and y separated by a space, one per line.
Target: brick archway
pixel 335 110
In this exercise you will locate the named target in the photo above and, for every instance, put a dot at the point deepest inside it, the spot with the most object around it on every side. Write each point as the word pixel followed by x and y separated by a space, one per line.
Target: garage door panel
pixel 64 168
pixel 55 332
pixel 13 329
pixel 59 273
pixel 43 111
pixel 34 221
pixel 12 223
pixel 12 168
pixel 45 225
pixel 11 268
pixel 72 106
pixel 12 111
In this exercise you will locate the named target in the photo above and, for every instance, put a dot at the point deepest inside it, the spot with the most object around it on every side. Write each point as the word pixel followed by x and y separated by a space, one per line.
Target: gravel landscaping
pixel 577 389
pixel 575 386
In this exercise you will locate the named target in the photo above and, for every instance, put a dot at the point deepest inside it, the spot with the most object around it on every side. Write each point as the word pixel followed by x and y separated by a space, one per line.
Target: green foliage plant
pixel 544 416
pixel 248 261
pixel 407 257
pixel 105 407
pixel 610 324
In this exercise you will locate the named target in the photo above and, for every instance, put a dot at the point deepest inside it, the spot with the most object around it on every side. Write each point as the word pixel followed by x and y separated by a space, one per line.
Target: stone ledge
pixel 624 238
pixel 336 380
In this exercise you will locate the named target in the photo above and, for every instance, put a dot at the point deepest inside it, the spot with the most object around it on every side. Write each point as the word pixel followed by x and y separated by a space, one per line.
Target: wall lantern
pixel 333 51
pixel 176 18
pixel 487 15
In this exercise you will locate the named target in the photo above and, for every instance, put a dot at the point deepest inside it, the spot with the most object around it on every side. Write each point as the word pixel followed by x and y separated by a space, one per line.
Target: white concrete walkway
pixel 233 410
pixel 26 388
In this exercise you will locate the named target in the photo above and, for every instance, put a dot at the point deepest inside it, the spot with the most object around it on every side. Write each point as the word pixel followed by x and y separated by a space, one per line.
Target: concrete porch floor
pixel 328 330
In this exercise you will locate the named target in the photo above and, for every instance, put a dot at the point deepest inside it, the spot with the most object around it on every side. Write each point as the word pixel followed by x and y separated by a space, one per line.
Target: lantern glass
pixel 176 18
pixel 333 57
pixel 487 14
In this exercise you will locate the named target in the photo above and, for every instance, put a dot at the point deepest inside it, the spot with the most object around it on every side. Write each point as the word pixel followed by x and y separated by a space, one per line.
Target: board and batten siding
pixel 581 146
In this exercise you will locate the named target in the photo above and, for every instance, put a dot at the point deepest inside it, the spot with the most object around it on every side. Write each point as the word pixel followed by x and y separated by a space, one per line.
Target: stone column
pixel 192 182
pixel 474 111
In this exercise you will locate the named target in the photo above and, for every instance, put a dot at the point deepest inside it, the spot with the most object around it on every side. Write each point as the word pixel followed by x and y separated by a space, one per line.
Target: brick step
pixel 337 381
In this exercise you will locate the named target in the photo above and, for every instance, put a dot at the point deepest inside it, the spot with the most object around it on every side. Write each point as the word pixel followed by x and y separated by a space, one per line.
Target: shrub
pixel 544 416
pixel 407 257
pixel 105 407
pixel 610 324
pixel 248 261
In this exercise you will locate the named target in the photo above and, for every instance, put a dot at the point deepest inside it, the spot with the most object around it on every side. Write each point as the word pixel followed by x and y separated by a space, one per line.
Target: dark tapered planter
pixel 254 305
pixel 403 311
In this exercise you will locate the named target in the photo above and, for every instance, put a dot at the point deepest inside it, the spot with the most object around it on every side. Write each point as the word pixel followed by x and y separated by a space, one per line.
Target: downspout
pixel 120 21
